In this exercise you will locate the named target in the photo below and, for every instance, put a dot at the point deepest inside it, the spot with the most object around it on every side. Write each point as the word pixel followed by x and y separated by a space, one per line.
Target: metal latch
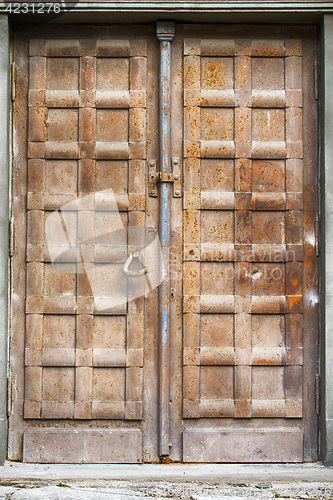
pixel 156 176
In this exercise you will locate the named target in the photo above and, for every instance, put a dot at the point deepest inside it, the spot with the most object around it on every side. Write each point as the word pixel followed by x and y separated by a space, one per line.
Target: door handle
pixel 135 274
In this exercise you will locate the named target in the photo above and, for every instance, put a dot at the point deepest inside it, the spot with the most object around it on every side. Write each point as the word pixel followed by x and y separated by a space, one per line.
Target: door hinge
pixel 155 176
pixel 13 83
pixel 317 394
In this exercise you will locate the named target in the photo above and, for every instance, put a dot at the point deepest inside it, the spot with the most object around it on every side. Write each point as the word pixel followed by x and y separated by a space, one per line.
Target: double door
pixel 163 256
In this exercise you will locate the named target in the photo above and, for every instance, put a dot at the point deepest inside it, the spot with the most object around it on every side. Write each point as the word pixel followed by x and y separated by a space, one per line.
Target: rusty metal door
pixel 164 268
pixel 250 290
pixel 83 350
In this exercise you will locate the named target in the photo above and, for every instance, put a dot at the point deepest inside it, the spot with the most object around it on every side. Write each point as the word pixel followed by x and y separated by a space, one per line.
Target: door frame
pixel 326 237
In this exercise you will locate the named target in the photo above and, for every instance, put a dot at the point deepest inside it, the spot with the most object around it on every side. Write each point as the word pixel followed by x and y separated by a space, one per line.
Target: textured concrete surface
pixel 164 491
pixel 92 474
pixel 162 482
pixel 327 150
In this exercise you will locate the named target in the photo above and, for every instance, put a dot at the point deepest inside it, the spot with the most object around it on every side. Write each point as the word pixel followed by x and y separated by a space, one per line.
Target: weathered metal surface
pixel 86 165
pixel 165 34
pixel 239 240
pixel 241 445
pixel 246 260
pixel 82 446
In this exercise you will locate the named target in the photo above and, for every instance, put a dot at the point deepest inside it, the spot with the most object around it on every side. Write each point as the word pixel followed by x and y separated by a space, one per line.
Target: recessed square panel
pixel 268 176
pixel 112 125
pixel 217 175
pixel 268 125
pixel 268 227
pixel 268 330
pixel 267 382
pixel 59 331
pixel 267 73
pixel 59 279
pixel 217 73
pixel 268 279
pixel 109 332
pixel 217 330
pixel 217 278
pixel 62 73
pixel 60 176
pixel 217 226
pixel 216 382
pixel 108 384
pixel 58 384
pixel 62 125
pixel 111 175
pixel 112 73
pixel 217 124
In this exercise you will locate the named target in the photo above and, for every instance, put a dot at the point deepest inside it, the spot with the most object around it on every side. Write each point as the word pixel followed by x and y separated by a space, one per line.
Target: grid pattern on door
pixel 243 227
pixel 86 178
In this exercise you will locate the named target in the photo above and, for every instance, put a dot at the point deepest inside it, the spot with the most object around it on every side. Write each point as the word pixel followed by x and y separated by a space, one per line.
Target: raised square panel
pixel 112 228
pixel 217 124
pixel 58 384
pixel 217 278
pixel 60 176
pixel 268 330
pixel 109 384
pixel 268 176
pixel 217 330
pixel 61 229
pixel 268 227
pixel 217 226
pixel 268 125
pixel 217 73
pixel 62 125
pixel 59 279
pixel 112 74
pixel 217 175
pixel 109 332
pixel 62 73
pixel 108 280
pixel 268 73
pixel 112 125
pixel 268 279
pixel 216 382
pixel 268 382
pixel 59 331
pixel 111 175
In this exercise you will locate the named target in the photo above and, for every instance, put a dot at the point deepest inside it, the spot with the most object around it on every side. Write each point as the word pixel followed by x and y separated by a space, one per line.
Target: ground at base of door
pixel 165 481
pixel 144 490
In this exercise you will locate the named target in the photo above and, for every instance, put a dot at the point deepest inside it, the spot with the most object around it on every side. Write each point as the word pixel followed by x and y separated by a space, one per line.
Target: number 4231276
pixel 33 8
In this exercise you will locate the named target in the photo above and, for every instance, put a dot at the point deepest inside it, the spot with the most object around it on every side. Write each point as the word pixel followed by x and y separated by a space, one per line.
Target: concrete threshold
pixel 11 472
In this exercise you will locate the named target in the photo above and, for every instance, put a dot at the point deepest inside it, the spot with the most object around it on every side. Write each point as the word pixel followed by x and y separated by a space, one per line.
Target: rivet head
pixel 176 177
pixel 177 192
pixel 175 161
